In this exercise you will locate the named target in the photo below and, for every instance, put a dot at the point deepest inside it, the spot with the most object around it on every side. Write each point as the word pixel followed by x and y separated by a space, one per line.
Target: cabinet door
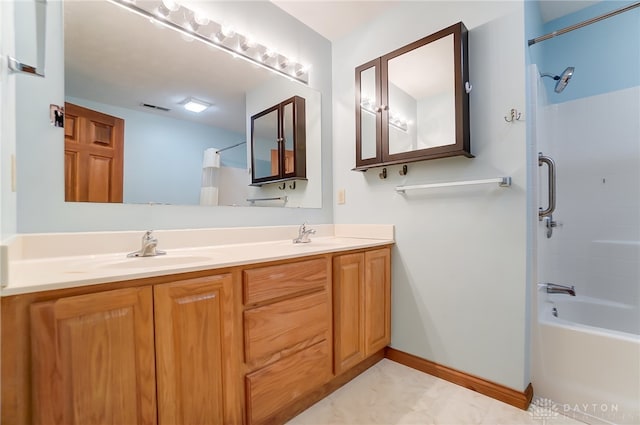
pixel 369 110
pixel 196 361
pixel 265 145
pixel 348 311
pixel 93 359
pixel 377 303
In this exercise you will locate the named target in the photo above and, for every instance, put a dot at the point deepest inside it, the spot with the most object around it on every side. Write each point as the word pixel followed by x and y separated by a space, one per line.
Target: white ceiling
pixel 335 19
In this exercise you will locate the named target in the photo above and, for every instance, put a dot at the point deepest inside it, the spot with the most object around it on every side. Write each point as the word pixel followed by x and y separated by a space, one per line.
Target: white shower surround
pixel 588 369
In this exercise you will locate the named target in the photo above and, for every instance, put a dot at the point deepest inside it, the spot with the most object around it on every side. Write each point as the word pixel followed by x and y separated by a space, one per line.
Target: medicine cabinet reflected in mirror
pixel 138 73
pixel 278 143
pixel 412 105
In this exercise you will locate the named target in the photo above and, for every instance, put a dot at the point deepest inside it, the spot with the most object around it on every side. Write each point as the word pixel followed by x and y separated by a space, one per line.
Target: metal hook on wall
pixel 283 187
pixel 292 186
pixel 514 116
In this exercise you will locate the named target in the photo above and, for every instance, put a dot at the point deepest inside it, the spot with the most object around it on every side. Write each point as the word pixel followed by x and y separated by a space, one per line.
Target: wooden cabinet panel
pixel 377 300
pixel 361 306
pixel 196 364
pixel 266 283
pixel 273 387
pixel 348 311
pixel 93 359
pixel 285 326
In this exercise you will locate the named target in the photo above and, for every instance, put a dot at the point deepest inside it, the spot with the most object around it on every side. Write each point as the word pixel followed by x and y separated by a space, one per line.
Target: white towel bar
pixel 275 198
pixel 502 182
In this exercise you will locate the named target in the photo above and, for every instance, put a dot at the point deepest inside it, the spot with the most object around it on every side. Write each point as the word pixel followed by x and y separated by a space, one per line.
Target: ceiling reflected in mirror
pixel 121 59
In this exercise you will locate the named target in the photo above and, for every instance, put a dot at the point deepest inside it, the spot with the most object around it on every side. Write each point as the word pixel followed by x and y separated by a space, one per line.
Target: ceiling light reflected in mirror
pixel 195 105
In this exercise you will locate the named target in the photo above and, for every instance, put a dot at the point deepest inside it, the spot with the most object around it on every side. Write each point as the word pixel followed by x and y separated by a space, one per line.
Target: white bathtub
pixel 595 313
pixel 587 359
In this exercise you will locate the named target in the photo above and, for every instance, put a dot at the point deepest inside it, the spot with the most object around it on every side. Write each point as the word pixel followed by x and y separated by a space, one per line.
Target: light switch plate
pixel 341 197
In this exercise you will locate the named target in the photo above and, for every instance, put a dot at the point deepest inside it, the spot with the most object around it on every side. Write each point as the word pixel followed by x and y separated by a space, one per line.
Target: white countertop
pixel 32 272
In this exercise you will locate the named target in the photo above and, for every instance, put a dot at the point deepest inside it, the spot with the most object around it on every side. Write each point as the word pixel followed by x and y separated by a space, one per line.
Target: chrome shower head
pixel 562 79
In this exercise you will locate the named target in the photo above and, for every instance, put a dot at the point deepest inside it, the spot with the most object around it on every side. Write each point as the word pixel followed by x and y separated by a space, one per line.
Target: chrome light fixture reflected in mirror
pixel 171 14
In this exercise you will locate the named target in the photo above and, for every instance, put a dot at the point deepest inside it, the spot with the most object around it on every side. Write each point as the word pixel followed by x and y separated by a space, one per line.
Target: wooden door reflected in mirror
pixel 93 155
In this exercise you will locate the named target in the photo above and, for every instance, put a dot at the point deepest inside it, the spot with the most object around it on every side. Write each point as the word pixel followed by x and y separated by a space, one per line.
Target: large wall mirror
pixel 122 65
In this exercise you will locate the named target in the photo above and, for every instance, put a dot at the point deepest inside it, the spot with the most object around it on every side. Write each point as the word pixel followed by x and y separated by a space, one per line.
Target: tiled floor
pixel 390 393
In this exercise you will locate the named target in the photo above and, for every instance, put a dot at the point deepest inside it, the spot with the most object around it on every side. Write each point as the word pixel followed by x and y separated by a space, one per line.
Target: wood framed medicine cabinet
pixel 412 104
pixel 278 143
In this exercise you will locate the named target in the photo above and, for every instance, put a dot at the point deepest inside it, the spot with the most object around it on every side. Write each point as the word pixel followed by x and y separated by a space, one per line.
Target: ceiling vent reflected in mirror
pixel 156 107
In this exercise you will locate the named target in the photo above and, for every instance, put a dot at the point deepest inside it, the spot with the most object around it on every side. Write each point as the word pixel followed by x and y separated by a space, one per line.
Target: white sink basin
pixel 158 261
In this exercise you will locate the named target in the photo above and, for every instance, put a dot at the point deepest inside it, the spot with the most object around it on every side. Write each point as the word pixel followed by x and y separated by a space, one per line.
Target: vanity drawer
pixel 277 385
pixel 265 283
pixel 280 328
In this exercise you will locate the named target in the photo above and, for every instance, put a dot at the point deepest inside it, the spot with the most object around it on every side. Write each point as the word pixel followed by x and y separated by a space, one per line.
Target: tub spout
pixel 554 288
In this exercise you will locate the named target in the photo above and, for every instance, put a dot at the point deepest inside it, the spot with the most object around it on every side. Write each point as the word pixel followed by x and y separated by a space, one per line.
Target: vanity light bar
pixel 237 45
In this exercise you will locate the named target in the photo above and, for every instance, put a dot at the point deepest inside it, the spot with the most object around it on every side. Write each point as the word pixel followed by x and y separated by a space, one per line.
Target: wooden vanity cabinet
pixel 152 354
pixel 93 359
pixel 197 358
pixel 361 306
pixel 287 330
pixel 254 344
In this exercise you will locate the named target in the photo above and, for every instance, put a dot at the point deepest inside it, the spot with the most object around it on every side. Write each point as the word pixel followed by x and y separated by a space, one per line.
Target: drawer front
pixel 279 384
pixel 265 283
pixel 274 330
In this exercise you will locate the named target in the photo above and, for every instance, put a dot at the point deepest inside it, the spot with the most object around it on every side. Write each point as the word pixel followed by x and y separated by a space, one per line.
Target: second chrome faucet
pixel 303 234
pixel 149 246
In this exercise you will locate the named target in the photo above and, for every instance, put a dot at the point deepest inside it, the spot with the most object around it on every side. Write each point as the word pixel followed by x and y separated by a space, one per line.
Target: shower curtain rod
pixel 230 147
pixel 583 23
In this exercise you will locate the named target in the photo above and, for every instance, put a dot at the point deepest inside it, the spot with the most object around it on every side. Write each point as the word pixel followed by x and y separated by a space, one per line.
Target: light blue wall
pixel 606 54
pixel 163 156
pixel 459 264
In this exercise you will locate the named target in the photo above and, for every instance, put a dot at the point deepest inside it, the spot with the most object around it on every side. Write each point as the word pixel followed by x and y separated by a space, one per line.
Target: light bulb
pixel 268 53
pixel 247 43
pixel 172 5
pixel 301 69
pixel 200 19
pixel 168 6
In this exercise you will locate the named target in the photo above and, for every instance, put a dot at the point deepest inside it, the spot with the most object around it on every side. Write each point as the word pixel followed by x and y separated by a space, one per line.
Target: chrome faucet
pixel 553 288
pixel 148 249
pixel 303 234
